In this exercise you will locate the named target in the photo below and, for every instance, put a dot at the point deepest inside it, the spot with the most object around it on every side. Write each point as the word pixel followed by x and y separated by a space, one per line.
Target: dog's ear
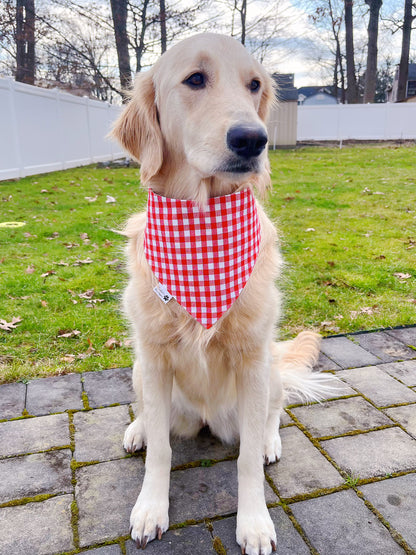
pixel 137 128
pixel 268 98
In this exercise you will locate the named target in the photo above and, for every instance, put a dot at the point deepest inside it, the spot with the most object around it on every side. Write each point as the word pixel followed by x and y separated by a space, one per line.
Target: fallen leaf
pixel 54 235
pixel 44 303
pixel 112 262
pixel 9 326
pixel 91 199
pixel 310 229
pixel 61 263
pixel 369 310
pixel 47 274
pixel 30 269
pixel 79 262
pixel 110 199
pixel 87 294
pixel 112 343
pixel 68 333
pixel 401 276
pixel 67 358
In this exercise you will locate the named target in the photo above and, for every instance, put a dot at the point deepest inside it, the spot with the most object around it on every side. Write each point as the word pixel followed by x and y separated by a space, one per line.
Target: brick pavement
pixel 346 482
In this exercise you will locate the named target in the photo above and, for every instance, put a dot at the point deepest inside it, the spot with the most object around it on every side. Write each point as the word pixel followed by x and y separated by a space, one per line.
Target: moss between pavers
pixel 74 522
pixel 299 528
pixel 218 546
pixel 26 500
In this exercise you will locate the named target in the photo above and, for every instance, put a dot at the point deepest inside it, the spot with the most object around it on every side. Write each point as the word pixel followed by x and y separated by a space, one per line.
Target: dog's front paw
pixel 148 520
pixel 134 436
pixel 256 534
pixel 272 448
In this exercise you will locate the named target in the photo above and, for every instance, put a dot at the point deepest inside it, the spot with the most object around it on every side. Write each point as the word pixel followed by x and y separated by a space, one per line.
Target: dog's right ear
pixel 137 128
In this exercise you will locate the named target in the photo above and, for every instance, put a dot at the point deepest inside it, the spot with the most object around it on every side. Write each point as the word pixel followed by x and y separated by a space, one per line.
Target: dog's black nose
pixel 246 141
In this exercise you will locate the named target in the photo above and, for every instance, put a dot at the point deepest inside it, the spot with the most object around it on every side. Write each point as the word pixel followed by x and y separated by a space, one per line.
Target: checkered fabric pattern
pixel 203 258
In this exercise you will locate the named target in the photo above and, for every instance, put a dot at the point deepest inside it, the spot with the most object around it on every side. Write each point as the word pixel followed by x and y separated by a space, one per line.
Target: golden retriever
pixel 196 122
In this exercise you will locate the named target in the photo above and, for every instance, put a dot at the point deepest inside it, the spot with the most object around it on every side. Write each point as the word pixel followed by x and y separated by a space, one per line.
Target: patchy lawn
pixel 348 225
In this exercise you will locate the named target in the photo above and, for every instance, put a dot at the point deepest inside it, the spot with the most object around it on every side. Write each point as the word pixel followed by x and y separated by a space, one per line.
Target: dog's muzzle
pixel 246 141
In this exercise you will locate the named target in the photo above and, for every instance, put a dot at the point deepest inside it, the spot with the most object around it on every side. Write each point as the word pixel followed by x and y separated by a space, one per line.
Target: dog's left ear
pixel 137 128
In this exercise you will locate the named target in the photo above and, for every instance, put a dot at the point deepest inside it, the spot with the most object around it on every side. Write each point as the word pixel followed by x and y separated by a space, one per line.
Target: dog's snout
pixel 246 141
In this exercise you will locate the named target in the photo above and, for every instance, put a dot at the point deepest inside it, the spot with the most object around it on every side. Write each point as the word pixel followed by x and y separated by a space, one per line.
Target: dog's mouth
pixel 236 166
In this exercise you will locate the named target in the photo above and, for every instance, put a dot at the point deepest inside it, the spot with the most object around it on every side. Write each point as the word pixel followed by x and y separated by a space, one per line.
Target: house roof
pixel 286 91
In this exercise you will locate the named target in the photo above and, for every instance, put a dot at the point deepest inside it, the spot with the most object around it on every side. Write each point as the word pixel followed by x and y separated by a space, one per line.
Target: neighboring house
pixel 411 85
pixel 316 96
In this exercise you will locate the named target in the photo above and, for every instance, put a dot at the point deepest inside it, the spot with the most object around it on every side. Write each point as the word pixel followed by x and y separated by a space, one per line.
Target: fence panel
pixel 45 130
pixel 357 121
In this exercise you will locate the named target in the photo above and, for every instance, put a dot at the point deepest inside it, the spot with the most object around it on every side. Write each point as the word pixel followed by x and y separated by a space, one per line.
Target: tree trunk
pixel 163 39
pixel 243 13
pixel 352 88
pixel 119 13
pixel 404 58
pixel 25 41
pixel 371 69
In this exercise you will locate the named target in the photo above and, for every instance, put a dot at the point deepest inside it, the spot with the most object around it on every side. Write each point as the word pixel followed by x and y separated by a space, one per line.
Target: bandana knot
pixel 202 258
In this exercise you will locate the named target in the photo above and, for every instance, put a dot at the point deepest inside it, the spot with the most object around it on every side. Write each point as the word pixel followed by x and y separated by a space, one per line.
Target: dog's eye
pixel 254 85
pixel 195 81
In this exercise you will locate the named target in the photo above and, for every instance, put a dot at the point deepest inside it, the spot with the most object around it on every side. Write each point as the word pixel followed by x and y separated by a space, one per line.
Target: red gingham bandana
pixel 202 258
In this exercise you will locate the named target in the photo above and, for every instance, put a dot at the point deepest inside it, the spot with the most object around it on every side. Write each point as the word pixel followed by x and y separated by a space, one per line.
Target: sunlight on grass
pixel 348 235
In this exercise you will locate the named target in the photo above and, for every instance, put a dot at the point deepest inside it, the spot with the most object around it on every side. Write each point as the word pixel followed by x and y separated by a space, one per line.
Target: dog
pixel 196 122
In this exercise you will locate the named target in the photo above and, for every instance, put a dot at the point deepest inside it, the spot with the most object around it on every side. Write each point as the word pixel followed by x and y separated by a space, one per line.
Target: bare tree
pixel 372 50
pixel 162 16
pixel 352 86
pixel 331 11
pixel 119 15
pixel 25 41
pixel 404 58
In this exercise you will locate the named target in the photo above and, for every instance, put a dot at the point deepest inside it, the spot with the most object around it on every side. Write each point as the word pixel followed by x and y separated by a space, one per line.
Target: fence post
pixel 15 129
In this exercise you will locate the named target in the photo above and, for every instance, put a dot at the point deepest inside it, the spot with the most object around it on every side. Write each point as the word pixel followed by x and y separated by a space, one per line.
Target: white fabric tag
pixel 162 293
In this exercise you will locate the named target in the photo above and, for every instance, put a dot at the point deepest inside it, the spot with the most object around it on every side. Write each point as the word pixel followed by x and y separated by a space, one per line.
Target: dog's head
pixel 199 114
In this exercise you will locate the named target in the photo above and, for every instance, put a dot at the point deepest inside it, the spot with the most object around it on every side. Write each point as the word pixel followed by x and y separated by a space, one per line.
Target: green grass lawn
pixel 348 234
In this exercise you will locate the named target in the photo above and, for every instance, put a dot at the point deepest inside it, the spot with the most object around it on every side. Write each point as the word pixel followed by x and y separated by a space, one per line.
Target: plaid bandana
pixel 202 259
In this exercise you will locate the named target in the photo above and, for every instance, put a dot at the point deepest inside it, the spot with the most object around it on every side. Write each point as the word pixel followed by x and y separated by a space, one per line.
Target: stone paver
pixel 406 416
pixel 378 386
pixel 99 433
pixel 340 524
pixel 396 501
pixel 405 335
pixel 108 387
pixel 346 353
pixel 42 528
pixel 35 474
pixel 302 468
pixel 191 540
pixel 106 493
pixel 374 453
pixel 12 400
pixel 57 467
pixel 34 434
pixel 206 492
pixel 384 346
pixel 404 371
pixel 340 417
pixel 203 447
pixel 50 395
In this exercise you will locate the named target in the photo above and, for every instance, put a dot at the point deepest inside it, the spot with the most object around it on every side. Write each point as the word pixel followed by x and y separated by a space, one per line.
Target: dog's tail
pixel 295 361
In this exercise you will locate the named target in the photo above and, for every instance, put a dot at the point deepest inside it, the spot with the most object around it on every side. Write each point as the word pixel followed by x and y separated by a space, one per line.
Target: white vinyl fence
pixel 43 130
pixel 367 122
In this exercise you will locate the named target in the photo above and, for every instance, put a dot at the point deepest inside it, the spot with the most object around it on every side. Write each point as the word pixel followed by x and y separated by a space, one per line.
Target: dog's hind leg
pixel 272 444
pixel 135 435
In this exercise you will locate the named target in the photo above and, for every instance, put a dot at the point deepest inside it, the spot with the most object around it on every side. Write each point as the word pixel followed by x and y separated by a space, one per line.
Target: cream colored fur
pixel 229 376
